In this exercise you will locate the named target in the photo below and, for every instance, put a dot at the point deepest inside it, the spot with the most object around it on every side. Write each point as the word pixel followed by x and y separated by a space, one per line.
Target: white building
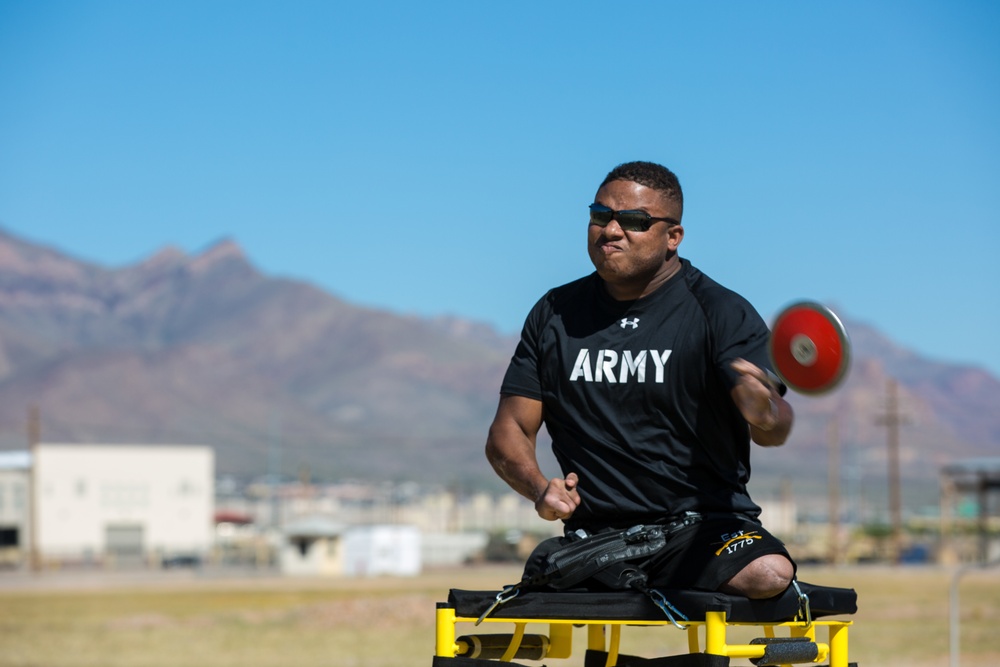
pixel 382 550
pixel 313 546
pixel 15 480
pixel 316 546
pixel 123 503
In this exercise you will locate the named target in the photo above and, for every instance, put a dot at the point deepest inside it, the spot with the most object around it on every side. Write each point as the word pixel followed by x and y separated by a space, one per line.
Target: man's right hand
pixel 559 499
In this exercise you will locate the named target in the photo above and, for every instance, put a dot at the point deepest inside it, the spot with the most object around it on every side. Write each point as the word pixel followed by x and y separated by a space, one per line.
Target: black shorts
pixel 708 553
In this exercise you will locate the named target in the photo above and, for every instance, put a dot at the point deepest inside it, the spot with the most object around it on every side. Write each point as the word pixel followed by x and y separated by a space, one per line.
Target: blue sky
pixel 438 157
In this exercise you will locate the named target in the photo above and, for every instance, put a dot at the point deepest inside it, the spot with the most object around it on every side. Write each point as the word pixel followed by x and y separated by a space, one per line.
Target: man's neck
pixel 637 290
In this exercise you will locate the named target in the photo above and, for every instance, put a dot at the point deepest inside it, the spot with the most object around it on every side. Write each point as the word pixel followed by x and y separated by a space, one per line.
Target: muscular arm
pixel 769 416
pixel 510 449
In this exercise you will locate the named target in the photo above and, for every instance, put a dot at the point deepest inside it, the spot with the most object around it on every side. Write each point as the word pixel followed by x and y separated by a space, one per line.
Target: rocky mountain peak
pixel 221 252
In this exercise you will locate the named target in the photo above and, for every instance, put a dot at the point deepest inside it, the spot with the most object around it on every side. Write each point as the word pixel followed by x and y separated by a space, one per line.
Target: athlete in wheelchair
pixel 652 381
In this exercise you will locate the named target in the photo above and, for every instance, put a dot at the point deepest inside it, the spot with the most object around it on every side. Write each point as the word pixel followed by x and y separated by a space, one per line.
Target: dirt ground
pixel 216 618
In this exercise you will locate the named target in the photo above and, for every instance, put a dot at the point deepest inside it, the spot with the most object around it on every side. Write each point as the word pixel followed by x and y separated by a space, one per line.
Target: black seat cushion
pixel 634 606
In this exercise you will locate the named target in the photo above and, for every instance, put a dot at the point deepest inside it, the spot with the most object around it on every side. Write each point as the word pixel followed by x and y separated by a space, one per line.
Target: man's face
pixel 628 261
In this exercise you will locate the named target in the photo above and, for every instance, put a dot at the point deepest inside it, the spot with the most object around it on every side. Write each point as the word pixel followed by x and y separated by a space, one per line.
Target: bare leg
pixel 764 577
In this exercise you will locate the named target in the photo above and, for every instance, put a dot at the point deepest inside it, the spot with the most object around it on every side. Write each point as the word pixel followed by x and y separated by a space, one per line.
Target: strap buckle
pixel 804 611
pixel 660 601
pixel 504 596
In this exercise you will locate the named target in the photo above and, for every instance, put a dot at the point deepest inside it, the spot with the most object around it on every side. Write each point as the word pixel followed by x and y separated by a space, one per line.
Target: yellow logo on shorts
pixel 731 543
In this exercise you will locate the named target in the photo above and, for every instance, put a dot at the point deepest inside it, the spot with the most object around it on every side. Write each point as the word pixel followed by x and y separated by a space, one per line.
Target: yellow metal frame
pixel 605 635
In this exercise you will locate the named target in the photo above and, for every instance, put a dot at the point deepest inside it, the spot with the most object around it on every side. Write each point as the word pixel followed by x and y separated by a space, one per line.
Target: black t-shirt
pixel 636 395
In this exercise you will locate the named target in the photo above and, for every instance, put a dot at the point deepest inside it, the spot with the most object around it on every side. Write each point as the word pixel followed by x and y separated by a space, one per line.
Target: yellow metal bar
pixel 715 632
pixel 574 621
pixel 615 644
pixel 716 629
pixel 745 650
pixel 515 642
pixel 822 651
pixel 692 634
pixel 444 641
pixel 803 630
pixel 595 637
pixel 560 640
pixel 715 639
pixel 838 644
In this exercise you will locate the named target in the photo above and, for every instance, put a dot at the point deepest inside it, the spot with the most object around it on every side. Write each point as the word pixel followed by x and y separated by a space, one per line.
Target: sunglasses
pixel 629 221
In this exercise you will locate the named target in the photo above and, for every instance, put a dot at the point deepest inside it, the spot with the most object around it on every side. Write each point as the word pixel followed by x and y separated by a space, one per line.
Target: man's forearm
pixel 513 459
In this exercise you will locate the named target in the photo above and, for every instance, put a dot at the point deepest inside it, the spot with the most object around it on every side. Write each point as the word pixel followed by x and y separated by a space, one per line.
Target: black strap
pixel 606 558
pixel 587 555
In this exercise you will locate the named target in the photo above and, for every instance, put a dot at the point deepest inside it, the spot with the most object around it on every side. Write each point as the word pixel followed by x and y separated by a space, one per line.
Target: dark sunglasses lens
pixel 633 221
pixel 600 215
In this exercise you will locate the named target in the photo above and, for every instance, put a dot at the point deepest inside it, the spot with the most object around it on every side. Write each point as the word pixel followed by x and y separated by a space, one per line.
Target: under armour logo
pixel 634 322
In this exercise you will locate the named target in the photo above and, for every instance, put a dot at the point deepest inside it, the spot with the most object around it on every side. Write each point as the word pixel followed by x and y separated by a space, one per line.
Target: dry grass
pixel 184 619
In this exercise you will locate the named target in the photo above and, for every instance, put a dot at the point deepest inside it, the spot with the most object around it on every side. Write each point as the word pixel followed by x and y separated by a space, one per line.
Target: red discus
pixel 809 348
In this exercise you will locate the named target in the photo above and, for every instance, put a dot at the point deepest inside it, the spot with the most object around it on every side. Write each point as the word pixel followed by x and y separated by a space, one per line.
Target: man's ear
pixel 674 236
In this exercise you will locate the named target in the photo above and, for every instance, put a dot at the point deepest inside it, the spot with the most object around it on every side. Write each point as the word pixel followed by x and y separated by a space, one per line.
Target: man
pixel 651 380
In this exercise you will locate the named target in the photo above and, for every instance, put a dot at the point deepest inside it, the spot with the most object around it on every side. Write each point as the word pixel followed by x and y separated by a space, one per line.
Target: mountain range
pixel 283 377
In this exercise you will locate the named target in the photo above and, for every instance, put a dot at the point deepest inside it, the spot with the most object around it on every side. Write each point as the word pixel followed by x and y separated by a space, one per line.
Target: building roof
pixel 988 465
pixel 314 526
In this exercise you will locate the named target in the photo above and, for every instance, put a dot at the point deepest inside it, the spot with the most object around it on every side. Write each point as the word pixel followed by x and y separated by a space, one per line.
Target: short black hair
pixel 650 174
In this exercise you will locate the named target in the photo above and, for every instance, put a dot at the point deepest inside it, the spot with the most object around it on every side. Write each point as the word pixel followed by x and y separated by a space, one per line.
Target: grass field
pixel 60 620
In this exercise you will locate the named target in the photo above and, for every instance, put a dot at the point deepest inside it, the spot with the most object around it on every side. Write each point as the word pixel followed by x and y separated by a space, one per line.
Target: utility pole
pixel 892 420
pixel 34 493
pixel 833 482
pixel 275 465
